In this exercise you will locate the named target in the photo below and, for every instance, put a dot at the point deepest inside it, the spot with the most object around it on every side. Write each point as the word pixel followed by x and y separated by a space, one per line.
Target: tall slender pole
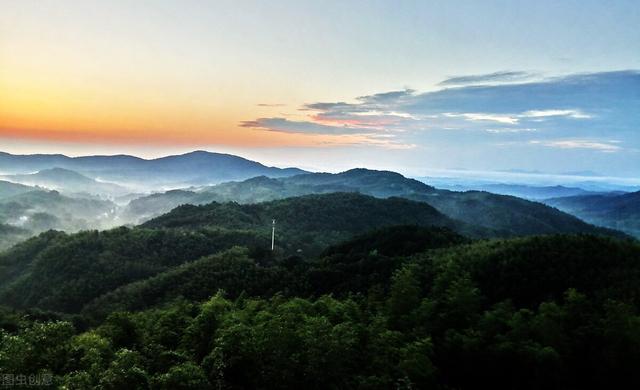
pixel 273 234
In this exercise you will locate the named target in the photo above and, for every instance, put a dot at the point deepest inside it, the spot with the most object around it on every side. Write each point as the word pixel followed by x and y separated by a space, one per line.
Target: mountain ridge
pixel 193 168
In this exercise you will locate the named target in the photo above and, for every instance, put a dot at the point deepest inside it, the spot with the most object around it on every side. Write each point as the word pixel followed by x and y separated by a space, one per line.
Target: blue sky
pixel 410 86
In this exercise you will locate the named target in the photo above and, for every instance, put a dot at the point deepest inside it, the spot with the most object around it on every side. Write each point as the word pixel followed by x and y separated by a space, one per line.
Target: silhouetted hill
pixel 195 168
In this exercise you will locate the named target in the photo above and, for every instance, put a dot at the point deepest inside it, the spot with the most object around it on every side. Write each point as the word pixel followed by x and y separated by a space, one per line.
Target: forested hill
pixel 335 212
pixel 506 216
pixel 65 272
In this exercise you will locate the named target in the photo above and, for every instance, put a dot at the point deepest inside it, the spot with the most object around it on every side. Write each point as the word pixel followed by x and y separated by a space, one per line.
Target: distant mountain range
pixel 616 211
pixel 524 191
pixel 195 168
pixel 106 191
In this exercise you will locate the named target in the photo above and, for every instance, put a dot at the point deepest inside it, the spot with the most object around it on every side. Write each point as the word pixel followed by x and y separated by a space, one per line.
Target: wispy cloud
pixel 607 146
pixel 358 135
pixel 299 127
pixel 496 77
pixel 510 130
pixel 484 117
pixel 576 114
pixel 270 105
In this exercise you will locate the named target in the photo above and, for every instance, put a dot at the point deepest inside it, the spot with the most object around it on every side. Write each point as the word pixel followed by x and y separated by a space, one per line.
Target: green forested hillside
pixel 356 265
pixel 61 272
pixel 413 308
pixel 340 212
pixel 72 270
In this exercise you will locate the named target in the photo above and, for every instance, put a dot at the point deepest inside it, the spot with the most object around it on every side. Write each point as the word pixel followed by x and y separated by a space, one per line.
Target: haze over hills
pixel 9 189
pixel 68 181
pixel 616 211
pixel 25 211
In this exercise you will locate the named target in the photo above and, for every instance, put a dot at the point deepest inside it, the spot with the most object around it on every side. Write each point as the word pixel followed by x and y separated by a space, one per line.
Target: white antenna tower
pixel 273 234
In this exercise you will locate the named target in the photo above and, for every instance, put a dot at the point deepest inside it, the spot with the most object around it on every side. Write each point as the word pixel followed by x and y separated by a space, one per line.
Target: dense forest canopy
pixel 360 292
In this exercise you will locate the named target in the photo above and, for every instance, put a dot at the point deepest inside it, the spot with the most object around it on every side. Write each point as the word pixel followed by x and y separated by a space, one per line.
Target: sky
pixel 416 87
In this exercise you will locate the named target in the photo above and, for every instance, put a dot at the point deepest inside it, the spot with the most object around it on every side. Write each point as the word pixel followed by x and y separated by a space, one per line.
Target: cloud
pixel 345 135
pixel 392 97
pixel 576 110
pixel 298 127
pixel 270 105
pixel 496 77
pixel 510 130
pixel 576 114
pixel 607 146
pixel 483 117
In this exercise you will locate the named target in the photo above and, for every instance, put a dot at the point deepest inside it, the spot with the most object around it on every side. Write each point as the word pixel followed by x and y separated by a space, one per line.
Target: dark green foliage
pixel 342 212
pixel 368 261
pixel 188 307
pixel 64 272
pixel 396 241
pixel 530 270
pixel 232 271
pixel 308 223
